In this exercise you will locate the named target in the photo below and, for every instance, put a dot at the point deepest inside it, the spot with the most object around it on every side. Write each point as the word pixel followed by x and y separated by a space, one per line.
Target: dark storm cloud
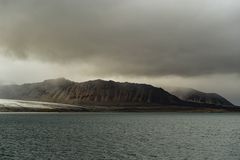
pixel 138 37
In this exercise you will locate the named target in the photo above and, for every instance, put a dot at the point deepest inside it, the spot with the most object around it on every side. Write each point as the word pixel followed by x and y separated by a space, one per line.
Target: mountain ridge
pixel 96 93
pixel 93 92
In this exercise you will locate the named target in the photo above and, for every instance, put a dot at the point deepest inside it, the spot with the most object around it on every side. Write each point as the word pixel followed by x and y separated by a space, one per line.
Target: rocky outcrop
pixel 192 95
pixel 97 92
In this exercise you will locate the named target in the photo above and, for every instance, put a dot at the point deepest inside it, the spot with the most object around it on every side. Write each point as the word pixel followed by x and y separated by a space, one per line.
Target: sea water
pixel 120 136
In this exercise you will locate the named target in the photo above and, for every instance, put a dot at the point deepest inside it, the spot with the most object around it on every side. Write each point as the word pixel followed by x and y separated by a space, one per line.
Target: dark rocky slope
pixel 97 92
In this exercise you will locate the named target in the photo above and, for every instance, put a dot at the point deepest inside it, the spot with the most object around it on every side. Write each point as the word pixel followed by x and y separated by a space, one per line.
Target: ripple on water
pixel 154 136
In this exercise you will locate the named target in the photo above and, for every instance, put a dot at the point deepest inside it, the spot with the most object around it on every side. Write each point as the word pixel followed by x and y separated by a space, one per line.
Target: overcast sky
pixel 189 43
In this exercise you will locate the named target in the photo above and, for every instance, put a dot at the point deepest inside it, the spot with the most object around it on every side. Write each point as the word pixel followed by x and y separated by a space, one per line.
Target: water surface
pixel 156 136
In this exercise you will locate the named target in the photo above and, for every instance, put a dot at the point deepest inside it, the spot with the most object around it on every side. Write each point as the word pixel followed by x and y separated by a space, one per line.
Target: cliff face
pixel 96 92
pixel 192 95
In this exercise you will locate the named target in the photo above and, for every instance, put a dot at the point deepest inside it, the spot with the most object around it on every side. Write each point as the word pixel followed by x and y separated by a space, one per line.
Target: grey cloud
pixel 127 37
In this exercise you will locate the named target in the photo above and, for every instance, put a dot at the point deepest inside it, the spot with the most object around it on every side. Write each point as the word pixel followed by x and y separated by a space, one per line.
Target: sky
pixel 187 43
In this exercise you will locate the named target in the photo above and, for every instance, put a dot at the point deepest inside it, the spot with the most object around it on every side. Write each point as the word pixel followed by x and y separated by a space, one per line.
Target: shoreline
pixel 123 109
pixel 7 105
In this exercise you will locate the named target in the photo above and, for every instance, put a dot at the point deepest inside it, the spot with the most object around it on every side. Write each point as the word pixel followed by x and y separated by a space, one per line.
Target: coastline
pixel 7 105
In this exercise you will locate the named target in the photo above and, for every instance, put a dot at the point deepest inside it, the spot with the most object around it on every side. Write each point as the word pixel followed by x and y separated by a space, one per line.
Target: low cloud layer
pixel 127 37
pixel 188 43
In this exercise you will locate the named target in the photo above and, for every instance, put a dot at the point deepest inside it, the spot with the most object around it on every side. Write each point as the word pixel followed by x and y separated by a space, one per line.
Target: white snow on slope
pixel 33 104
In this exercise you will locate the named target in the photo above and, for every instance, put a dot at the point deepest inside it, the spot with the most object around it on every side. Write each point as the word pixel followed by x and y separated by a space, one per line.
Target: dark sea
pixel 120 136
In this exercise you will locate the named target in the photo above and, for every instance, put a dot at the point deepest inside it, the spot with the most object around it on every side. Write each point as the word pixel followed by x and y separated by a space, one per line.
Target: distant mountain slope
pixel 97 92
pixel 192 95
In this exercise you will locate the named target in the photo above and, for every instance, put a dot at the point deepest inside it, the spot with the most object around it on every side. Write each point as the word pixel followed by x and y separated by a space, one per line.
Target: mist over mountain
pixel 192 95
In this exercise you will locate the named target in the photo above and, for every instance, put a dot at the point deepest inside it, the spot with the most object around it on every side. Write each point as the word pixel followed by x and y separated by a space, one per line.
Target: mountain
pixel 97 92
pixel 192 95
pixel 100 95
